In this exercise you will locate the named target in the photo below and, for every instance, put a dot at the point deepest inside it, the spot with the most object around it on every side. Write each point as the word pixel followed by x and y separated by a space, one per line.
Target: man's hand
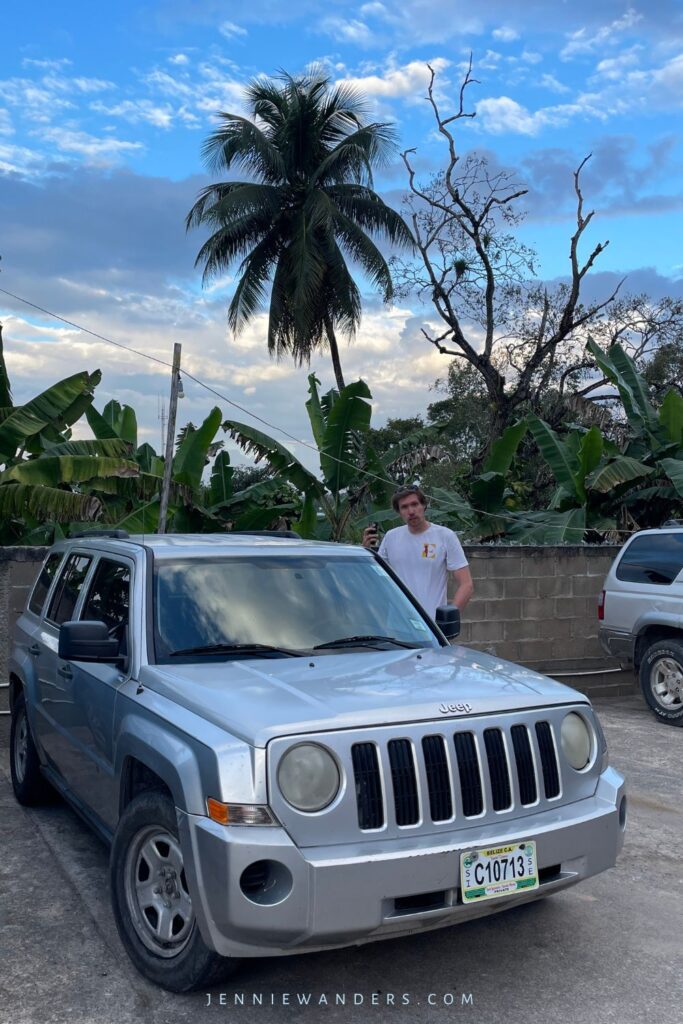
pixel 370 537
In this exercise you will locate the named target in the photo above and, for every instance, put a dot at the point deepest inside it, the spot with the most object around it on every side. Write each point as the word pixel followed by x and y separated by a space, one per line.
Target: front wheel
pixel 661 680
pixel 151 900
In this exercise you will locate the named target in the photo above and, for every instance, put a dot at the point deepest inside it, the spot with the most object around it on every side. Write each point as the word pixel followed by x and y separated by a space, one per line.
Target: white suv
pixel 641 615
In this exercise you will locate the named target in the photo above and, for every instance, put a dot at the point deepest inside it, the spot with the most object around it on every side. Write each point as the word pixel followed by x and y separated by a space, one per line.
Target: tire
pixel 156 922
pixel 661 680
pixel 28 782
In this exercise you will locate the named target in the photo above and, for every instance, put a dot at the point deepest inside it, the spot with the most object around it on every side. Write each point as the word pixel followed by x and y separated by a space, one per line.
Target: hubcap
pixel 666 683
pixel 156 892
pixel 21 747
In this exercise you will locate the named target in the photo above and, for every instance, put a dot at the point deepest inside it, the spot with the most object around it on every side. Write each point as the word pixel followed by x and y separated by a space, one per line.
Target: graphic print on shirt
pixel 429 550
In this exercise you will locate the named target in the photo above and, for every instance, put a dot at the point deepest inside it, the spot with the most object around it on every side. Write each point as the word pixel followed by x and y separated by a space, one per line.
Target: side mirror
pixel 87 641
pixel 448 620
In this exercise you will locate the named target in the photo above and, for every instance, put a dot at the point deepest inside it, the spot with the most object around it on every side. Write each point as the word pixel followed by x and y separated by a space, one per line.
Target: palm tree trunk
pixel 334 352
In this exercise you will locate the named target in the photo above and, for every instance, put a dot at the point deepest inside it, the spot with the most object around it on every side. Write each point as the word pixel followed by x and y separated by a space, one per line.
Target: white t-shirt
pixel 423 561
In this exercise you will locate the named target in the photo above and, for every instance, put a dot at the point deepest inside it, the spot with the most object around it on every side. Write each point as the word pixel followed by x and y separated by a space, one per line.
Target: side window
pixel 654 559
pixel 68 588
pixel 108 596
pixel 43 583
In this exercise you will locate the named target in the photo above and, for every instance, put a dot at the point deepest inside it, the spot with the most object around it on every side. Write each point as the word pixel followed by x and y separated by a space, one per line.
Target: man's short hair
pixel 404 492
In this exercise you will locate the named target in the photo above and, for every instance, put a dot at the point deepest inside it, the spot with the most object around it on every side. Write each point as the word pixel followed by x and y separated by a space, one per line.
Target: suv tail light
pixel 601 607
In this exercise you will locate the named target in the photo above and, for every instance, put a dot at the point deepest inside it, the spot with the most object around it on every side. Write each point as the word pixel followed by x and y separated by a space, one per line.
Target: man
pixel 422 553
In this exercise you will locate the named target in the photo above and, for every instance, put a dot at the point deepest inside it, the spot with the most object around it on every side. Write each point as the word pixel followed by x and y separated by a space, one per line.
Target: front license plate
pixel 498 871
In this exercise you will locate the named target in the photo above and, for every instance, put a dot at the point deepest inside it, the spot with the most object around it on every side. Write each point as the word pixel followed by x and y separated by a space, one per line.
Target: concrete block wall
pixel 538 606
pixel 18 570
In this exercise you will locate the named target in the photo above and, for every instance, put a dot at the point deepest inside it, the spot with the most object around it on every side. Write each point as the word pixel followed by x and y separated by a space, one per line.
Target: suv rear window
pixel 68 588
pixel 43 583
pixel 655 559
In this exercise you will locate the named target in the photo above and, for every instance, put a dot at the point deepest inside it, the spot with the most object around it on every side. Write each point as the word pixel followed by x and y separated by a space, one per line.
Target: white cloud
pixel 230 30
pixel 136 111
pixel 552 83
pixel 69 139
pixel 18 159
pixel 614 68
pixel 581 42
pixel 531 57
pixel 409 81
pixel 179 58
pixel 344 30
pixel 6 126
pixel 505 34
pixel 502 115
pixel 48 65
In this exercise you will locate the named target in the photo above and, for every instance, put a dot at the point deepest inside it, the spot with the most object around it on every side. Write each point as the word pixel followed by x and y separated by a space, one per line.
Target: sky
pixel 104 108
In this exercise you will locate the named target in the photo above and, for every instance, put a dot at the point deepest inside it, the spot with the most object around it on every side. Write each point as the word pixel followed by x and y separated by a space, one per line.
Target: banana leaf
pixel 110 448
pixel 48 407
pixel 47 503
pixel 555 453
pixel 149 462
pixel 279 459
pixel 504 449
pixel 349 416
pixel 671 416
pixel 550 527
pixel 51 470
pixel 314 409
pixel 487 492
pixel 220 485
pixel 262 518
pixel 619 471
pixel 191 457
pixel 308 517
pixel 590 453
pixel 674 470
pixel 144 519
pixel 620 369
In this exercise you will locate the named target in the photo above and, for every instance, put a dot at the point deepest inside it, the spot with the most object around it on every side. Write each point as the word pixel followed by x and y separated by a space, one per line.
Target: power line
pixel 260 419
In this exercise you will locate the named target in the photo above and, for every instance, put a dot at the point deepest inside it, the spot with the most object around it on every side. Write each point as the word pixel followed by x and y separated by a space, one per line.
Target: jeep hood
pixel 259 699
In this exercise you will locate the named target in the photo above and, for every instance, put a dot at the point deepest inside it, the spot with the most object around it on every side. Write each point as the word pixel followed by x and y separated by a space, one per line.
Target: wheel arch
pixel 652 634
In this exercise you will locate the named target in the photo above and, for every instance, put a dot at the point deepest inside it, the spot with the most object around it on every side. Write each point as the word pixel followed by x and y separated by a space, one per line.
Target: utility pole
pixel 170 437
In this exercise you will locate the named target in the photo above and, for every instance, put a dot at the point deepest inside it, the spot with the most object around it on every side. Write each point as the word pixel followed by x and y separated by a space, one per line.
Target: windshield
pixel 289 602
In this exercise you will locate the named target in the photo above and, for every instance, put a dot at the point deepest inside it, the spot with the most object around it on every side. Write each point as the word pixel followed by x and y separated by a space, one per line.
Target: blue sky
pixel 103 109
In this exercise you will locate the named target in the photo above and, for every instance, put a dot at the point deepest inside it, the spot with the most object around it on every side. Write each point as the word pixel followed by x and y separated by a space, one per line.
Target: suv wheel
pixel 28 782
pixel 661 680
pixel 151 901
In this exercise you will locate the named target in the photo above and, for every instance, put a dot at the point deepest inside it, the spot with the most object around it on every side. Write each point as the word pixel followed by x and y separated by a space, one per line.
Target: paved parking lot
pixel 608 950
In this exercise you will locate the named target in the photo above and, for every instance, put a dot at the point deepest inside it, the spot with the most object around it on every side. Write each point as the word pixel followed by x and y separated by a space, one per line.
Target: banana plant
pixel 355 484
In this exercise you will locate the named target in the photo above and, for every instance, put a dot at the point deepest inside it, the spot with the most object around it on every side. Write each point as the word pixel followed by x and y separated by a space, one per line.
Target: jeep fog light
pixel 308 777
pixel 576 741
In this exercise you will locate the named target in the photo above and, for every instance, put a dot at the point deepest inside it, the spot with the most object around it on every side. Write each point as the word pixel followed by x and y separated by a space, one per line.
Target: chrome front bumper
pixel 355 893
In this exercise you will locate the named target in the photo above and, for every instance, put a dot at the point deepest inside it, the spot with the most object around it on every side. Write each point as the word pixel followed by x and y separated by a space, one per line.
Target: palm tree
pixel 308 206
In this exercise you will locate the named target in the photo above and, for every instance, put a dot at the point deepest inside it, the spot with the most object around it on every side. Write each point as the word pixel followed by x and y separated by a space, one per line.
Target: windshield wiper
pixel 362 641
pixel 235 648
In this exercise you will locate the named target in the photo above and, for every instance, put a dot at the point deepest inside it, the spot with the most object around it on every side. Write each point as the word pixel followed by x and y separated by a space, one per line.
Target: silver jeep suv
pixel 641 616
pixel 286 754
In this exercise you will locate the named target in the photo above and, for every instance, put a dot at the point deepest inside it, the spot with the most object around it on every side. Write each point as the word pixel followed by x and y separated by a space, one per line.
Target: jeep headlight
pixel 576 740
pixel 308 777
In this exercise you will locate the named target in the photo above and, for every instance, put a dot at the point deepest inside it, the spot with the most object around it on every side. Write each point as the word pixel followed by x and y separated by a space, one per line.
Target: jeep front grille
pixel 460 773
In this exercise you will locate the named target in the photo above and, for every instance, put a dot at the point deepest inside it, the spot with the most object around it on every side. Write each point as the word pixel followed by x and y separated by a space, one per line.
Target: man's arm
pixel 464 588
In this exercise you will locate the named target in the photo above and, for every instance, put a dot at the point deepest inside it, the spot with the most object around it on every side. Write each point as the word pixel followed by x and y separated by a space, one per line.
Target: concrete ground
pixel 606 951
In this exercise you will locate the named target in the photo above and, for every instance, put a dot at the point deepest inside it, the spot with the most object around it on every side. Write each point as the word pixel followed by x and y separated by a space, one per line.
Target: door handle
pixel 65 671
pixel 34 650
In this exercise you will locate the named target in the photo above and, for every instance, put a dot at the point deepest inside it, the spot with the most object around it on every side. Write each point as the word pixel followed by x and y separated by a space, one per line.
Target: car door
pixel 56 696
pixel 106 599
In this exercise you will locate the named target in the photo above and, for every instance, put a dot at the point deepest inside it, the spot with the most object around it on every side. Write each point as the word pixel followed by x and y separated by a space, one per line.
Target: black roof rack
pixel 289 534
pixel 116 534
